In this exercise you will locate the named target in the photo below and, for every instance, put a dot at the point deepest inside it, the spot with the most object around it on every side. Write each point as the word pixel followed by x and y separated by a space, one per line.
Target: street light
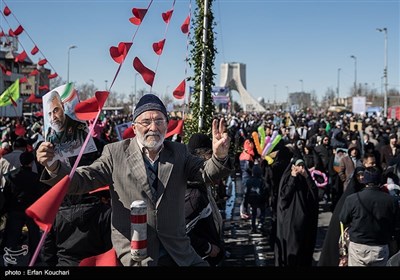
pixel 338 85
pixel 136 74
pixel 355 74
pixel 92 81
pixel 302 88
pixel 69 50
pixel 166 91
pixel 385 70
pixel 106 81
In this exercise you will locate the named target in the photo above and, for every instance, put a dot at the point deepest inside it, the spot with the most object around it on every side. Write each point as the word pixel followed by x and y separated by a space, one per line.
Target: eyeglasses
pixel 147 123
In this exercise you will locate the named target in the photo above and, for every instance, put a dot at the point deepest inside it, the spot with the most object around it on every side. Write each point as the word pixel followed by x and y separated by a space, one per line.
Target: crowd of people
pixel 350 163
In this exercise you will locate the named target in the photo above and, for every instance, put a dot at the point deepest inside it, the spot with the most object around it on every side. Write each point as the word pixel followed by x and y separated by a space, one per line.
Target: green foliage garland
pixel 195 61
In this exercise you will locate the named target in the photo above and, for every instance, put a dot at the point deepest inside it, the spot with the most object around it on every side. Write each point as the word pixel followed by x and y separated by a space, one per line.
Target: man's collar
pixel 145 151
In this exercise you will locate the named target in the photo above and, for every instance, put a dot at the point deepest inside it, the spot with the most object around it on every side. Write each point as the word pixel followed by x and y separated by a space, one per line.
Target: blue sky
pixel 281 42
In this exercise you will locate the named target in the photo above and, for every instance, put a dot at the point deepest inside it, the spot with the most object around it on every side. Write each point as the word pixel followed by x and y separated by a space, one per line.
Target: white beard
pixel 151 144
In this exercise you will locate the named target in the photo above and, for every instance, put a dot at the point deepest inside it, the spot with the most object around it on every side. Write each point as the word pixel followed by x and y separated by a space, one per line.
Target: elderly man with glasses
pixel 151 169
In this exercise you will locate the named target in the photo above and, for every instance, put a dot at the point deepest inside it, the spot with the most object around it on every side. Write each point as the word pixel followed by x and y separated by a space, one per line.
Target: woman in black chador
pixel 297 217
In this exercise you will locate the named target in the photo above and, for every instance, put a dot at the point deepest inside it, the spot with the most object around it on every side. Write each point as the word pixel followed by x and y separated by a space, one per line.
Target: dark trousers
pixel 254 216
pixel 13 231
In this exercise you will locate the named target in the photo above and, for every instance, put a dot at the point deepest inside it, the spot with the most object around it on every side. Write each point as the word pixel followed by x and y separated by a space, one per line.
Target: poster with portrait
pixel 120 129
pixel 339 153
pixel 62 128
pixel 354 126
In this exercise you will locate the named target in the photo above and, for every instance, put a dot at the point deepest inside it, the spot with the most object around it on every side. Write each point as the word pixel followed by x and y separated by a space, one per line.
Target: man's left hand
pixel 221 140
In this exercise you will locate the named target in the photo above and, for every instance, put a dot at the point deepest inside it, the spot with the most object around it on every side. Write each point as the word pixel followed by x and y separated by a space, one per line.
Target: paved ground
pixel 246 249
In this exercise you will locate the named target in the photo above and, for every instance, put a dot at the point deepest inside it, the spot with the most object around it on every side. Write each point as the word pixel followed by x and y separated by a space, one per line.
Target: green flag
pixel 10 95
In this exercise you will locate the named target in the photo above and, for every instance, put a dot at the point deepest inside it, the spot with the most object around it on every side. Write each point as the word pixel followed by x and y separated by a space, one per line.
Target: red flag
pixel 2 33
pixel 52 76
pixel 21 57
pixel 23 80
pixel 19 30
pixel 158 47
pixel 34 72
pixel 179 92
pixel 128 133
pixel 34 50
pixel 33 99
pixel 42 62
pixel 119 53
pixel 108 258
pixel 11 32
pixel 138 16
pixel 147 74
pixel 6 11
pixel 19 130
pixel 88 109
pixel 185 25
pixel 174 127
pixel 44 210
pixel 45 87
pixel 167 16
pixel 39 114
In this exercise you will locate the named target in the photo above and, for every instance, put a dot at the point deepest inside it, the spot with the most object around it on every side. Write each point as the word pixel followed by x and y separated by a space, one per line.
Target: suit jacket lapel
pixel 135 162
pixel 165 166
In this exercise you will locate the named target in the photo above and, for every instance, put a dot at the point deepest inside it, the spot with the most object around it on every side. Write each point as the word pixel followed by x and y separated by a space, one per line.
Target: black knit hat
pixel 149 102
pixel 199 140
pixel 372 176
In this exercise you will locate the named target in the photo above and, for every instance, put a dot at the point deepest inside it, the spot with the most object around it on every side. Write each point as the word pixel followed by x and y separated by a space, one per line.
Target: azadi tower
pixel 233 75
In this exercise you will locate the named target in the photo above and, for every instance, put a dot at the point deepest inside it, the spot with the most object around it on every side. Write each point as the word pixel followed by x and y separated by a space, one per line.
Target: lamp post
pixel 131 96
pixel 136 74
pixel 338 85
pixel 302 85
pixel 385 71
pixel 106 81
pixel 92 87
pixel 166 91
pixel 69 50
pixel 355 74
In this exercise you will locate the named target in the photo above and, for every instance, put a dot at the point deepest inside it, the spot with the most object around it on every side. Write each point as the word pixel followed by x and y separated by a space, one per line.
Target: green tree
pixel 196 61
